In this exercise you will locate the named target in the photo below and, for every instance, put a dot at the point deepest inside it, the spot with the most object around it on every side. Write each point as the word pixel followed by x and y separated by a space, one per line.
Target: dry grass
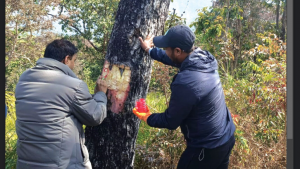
pixel 161 149
pixel 261 155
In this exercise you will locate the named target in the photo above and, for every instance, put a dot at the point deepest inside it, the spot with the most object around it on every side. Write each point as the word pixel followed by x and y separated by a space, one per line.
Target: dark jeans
pixel 203 158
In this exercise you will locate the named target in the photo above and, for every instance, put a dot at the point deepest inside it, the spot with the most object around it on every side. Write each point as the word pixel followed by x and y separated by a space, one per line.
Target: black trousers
pixel 203 158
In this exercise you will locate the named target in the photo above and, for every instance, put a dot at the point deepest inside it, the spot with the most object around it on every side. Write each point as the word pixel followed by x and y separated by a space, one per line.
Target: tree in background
pixel 283 22
pixel 231 26
pixel 25 21
pixel 90 24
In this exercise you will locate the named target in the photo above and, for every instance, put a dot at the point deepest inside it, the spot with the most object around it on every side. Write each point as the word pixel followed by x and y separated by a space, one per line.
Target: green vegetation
pixel 10 132
pixel 247 38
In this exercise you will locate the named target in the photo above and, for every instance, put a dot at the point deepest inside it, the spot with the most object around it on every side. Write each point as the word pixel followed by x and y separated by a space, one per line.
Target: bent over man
pixel 197 102
pixel 52 104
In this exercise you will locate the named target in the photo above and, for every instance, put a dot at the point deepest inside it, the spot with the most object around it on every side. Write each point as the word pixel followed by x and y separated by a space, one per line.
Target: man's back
pixel 51 106
pixel 44 93
pixel 209 123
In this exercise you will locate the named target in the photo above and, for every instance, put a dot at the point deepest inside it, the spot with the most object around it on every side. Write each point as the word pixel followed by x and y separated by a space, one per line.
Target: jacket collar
pixel 199 60
pixel 56 65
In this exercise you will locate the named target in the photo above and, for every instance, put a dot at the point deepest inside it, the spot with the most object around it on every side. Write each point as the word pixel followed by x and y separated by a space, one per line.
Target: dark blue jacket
pixel 197 102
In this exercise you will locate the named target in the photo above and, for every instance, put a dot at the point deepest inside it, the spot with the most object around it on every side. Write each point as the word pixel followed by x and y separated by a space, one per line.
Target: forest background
pixel 248 38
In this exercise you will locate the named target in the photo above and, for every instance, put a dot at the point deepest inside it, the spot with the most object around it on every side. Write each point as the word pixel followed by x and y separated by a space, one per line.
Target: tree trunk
pixel 127 70
pixel 227 19
pixel 283 26
pixel 277 15
pixel 236 58
pixel 237 51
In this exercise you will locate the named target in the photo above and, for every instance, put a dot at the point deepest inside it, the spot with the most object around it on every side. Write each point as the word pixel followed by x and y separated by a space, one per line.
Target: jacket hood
pixel 56 65
pixel 200 60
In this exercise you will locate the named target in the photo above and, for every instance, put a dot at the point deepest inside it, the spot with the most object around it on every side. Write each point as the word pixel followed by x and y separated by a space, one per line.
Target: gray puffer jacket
pixel 52 104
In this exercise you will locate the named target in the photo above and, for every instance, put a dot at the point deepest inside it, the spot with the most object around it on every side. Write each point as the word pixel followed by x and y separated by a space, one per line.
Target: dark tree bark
pixel 128 69
pixel 277 14
pixel 283 22
pixel 238 48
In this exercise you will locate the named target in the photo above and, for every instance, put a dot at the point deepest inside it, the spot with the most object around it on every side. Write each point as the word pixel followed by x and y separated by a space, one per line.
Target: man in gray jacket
pixel 52 104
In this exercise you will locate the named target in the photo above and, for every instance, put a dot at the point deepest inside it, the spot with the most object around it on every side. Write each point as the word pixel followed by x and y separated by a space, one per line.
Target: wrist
pixel 102 90
pixel 147 49
pixel 146 118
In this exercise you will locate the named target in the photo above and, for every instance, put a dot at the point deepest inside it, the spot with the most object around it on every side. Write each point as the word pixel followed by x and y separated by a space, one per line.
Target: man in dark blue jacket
pixel 197 102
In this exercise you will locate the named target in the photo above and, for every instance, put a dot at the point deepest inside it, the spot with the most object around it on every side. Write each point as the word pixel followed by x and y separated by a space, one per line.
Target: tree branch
pixel 11 53
pixel 76 28
pixel 86 39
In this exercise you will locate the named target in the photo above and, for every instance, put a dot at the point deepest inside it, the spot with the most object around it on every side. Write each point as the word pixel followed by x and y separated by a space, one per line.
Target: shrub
pixel 10 132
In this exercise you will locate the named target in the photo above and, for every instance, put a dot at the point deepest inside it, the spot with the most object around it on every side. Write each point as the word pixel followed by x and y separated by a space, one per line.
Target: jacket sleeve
pixel 181 103
pixel 161 56
pixel 89 110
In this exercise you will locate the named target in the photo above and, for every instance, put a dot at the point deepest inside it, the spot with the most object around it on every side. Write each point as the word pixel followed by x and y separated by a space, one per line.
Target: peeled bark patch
pixel 111 144
pixel 118 79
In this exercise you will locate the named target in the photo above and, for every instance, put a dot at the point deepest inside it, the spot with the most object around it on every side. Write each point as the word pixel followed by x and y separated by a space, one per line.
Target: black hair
pixel 188 51
pixel 59 49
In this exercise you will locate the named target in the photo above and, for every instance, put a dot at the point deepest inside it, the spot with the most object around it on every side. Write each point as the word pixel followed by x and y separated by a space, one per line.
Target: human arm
pixel 156 53
pixel 161 56
pixel 90 110
pixel 181 103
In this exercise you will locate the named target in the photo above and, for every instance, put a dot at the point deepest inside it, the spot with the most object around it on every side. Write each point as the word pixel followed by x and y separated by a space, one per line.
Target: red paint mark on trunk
pixel 118 86
pixel 105 70
pixel 117 99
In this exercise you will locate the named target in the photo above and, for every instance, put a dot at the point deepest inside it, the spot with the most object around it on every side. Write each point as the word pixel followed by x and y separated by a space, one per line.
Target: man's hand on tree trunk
pixel 101 85
pixel 147 43
pixel 142 115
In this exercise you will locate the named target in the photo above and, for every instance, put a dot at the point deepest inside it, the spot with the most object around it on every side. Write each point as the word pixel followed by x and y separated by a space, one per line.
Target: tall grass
pixel 158 148
pixel 10 132
pixel 155 102
pixel 162 148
